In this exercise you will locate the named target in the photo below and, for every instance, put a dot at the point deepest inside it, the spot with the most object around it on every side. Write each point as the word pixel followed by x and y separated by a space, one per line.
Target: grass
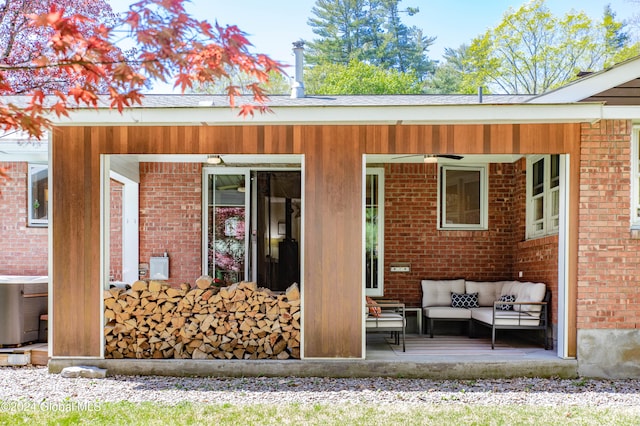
pixel 275 413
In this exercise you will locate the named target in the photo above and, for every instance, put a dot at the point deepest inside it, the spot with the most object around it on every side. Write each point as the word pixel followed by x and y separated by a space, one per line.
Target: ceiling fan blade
pixel 407 156
pixel 450 156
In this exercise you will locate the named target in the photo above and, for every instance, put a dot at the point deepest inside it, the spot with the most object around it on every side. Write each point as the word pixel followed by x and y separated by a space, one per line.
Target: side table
pixel 418 312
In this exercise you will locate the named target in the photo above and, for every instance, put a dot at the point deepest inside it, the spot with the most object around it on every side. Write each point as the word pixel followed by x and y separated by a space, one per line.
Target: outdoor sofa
pixel 512 305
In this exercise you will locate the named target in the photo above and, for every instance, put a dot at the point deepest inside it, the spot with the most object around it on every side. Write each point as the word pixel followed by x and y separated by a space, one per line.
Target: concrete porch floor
pixel 443 357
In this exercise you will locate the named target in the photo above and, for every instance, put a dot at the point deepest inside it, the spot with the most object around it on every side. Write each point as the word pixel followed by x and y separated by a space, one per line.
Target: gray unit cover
pixel 22 301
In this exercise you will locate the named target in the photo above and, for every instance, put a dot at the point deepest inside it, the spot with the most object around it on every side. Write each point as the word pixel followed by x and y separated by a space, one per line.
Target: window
pixel 38 195
pixel 462 197
pixel 374 232
pixel 635 179
pixel 543 195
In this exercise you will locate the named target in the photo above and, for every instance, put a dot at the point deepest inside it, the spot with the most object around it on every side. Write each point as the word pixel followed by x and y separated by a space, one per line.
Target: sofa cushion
pixel 510 318
pixel 438 292
pixel 488 291
pixel 446 312
pixel 506 298
pixel 525 292
pixel 386 320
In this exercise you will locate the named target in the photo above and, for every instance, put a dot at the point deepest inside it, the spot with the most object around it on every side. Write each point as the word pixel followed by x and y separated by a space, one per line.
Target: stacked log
pixel 154 320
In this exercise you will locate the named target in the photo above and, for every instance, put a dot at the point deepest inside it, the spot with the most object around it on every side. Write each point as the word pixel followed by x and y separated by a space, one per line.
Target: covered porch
pixel 333 173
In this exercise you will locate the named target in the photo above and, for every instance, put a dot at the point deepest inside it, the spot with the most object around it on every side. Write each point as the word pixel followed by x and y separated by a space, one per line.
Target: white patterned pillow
pixel 465 300
pixel 506 298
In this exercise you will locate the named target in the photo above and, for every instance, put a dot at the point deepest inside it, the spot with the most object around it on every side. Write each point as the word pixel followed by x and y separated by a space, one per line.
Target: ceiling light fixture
pixel 429 158
pixel 214 159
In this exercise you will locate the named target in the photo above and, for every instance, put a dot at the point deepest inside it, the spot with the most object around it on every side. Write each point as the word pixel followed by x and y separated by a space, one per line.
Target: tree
pixel 369 31
pixel 359 78
pixel 532 51
pixel 344 26
pixel 278 84
pixel 67 55
pixel 23 43
pixel 74 57
pixel 448 77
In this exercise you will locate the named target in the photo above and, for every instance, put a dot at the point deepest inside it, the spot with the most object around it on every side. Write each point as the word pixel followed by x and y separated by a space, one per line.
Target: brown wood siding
pixel 76 249
pixel 624 94
pixel 333 242
pixel 332 310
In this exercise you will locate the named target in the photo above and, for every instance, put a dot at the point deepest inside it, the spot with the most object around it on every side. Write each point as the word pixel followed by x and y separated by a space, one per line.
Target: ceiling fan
pixel 431 158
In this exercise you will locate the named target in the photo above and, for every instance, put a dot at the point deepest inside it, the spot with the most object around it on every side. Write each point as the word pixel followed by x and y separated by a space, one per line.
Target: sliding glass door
pixel 226 223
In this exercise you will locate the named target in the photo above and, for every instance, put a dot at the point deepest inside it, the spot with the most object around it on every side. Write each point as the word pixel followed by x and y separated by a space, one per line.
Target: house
pixel 537 188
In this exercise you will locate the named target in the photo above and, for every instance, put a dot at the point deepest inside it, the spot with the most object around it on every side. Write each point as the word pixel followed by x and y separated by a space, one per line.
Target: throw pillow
pixel 465 300
pixel 506 298
pixel 373 310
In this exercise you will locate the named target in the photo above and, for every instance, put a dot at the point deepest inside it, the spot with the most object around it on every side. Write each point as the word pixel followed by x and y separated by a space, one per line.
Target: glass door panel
pixel 374 232
pixel 227 224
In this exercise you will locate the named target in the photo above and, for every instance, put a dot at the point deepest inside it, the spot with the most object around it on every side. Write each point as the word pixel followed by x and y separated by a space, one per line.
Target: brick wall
pixel 609 253
pixel 170 217
pixel 411 233
pixel 24 249
pixel 115 248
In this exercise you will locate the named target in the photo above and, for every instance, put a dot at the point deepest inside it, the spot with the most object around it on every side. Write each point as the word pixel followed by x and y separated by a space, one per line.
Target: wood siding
pixel 624 94
pixel 332 309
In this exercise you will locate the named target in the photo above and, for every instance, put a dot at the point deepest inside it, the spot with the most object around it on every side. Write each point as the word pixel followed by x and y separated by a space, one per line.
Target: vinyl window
pixel 543 195
pixel 38 195
pixel 462 197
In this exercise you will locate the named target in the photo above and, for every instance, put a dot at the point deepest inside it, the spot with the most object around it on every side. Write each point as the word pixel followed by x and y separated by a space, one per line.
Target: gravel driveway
pixel 35 384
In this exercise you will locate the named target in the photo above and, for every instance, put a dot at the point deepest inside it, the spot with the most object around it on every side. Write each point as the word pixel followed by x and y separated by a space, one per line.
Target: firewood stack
pixel 154 320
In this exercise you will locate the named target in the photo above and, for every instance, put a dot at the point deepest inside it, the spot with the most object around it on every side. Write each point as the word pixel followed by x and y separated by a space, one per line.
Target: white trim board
pixel 423 114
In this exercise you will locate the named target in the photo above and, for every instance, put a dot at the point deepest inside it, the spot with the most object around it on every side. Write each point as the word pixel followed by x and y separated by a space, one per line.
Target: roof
pixel 206 100
pixel 587 87
pixel 179 101
pixel 584 100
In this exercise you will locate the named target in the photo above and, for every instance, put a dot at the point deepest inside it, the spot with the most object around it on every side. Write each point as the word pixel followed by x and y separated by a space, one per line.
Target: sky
pixel 272 25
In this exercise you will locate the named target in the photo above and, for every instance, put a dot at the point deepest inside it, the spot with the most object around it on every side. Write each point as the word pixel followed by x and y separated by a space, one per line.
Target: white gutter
pixel 301 115
pixel 620 112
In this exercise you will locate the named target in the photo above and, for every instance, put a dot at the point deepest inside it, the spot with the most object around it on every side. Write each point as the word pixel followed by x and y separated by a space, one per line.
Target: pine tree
pixel 369 31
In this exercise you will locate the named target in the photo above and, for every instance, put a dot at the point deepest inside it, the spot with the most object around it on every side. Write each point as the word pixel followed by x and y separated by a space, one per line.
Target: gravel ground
pixel 35 384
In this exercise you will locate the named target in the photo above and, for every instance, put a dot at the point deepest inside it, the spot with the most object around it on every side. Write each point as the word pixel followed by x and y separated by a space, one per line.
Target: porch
pixel 440 358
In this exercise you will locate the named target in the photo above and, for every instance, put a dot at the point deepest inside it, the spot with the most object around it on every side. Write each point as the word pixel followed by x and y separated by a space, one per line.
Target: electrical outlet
pixel 400 269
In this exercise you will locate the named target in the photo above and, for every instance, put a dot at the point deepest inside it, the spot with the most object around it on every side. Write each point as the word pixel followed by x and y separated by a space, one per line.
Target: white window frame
pixel 635 178
pixel 32 169
pixel 550 222
pixel 484 197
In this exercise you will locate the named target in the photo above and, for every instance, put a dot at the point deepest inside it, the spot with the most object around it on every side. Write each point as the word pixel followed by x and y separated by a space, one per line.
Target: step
pixel 34 354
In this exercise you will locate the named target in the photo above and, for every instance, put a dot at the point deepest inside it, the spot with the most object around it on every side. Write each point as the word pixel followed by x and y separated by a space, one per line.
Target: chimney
pixel 480 94
pixel 297 88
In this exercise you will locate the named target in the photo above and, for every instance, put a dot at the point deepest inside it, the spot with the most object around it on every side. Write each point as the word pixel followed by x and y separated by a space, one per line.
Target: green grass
pixel 274 413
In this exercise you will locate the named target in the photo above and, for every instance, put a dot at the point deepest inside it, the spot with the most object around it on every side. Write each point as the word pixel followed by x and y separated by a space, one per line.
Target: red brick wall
pixel 170 217
pixel 411 233
pixel 115 248
pixel 609 253
pixel 23 249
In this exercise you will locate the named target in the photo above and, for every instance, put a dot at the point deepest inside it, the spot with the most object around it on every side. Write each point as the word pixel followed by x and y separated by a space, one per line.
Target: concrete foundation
pixel 611 354
pixel 330 368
